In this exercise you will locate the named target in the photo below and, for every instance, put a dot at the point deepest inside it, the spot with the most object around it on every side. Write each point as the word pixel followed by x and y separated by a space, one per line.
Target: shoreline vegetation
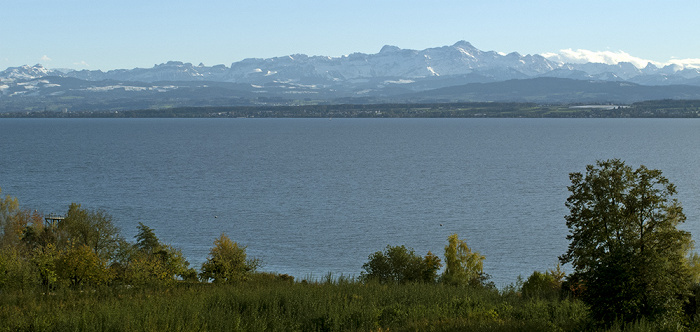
pixel 646 109
pixel 76 272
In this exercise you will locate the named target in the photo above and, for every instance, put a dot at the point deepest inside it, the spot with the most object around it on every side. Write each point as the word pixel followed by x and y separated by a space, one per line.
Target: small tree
pixel 146 239
pixel 626 250
pixel 227 262
pixel 398 264
pixel 546 285
pixel 80 265
pixel 462 266
pixel 93 228
pixel 149 261
pixel 8 207
pixel 16 272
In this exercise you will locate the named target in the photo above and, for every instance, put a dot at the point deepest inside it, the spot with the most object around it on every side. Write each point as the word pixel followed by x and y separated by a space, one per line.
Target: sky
pixel 105 35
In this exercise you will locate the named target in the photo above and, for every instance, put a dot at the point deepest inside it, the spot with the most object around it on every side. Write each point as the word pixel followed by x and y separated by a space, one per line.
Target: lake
pixel 312 196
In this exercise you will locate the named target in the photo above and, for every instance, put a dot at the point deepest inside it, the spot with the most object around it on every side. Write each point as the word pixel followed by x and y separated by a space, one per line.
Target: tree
pixel 398 264
pixel 462 266
pixel 16 272
pixel 149 260
pixel 21 224
pixel 146 239
pixel 546 285
pixel 9 208
pixel 227 262
pixel 626 250
pixel 80 265
pixel 93 228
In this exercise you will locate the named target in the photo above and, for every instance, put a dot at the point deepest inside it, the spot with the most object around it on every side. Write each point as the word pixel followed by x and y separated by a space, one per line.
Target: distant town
pixel 646 109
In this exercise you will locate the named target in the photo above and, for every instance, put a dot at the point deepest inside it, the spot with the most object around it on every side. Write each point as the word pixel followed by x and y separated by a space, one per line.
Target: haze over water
pixel 311 196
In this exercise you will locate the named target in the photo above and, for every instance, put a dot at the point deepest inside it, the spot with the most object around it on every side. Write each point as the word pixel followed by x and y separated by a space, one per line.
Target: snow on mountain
pixel 27 73
pixel 391 62
pixel 170 71
pixel 433 67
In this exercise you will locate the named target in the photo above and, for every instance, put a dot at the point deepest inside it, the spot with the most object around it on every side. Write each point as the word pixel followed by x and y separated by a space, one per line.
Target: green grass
pixel 266 305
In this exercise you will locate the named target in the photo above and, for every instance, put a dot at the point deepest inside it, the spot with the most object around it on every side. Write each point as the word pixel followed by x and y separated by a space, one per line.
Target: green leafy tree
pixel 430 267
pixel 9 208
pixel 546 285
pixel 228 262
pixel 626 250
pixel 80 265
pixel 146 239
pixel 150 261
pixel 694 267
pixel 91 228
pixel 16 272
pixel 398 264
pixel 462 265
pixel 44 259
pixel 21 224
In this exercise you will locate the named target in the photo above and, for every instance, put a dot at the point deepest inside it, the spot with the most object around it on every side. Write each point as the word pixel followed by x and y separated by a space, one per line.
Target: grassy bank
pixel 269 305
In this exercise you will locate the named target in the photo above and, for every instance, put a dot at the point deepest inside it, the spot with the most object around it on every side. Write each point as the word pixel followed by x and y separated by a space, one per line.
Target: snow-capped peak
pixel 392 63
pixel 26 72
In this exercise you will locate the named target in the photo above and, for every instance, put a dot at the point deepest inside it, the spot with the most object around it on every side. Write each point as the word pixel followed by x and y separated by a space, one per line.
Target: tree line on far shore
pixel 645 109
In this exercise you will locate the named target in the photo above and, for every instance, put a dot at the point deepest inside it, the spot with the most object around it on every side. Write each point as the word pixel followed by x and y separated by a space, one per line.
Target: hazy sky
pixel 106 35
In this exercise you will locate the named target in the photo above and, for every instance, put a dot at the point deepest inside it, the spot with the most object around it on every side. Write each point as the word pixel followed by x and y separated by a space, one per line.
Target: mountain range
pixel 459 72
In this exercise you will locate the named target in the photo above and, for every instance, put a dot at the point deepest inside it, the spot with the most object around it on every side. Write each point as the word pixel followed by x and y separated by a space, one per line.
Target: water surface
pixel 311 196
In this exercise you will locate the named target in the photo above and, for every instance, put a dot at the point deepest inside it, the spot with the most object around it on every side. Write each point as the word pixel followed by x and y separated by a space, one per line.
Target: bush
pixel 541 285
pixel 150 262
pixel 15 271
pixel 462 265
pixel 227 262
pixel 79 265
pixel 399 264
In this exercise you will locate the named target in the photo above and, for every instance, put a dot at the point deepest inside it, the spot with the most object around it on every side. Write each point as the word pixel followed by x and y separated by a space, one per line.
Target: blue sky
pixel 126 34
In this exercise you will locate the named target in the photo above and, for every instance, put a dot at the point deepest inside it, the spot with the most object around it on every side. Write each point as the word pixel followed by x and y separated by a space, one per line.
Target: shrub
pixel 462 265
pixel 227 262
pixel 399 264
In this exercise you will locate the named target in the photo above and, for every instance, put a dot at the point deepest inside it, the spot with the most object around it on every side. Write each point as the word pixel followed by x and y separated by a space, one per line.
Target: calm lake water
pixel 312 196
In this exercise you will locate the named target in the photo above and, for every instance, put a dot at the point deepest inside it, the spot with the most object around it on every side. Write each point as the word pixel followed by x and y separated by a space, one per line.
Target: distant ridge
pixel 458 72
pixel 459 59
pixel 556 90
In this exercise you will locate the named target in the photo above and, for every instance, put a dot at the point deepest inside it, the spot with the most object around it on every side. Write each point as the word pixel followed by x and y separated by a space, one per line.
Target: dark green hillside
pixel 556 90
pixel 648 109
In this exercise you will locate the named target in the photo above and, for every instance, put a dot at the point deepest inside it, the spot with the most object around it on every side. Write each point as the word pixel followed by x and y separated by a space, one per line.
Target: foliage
pixel 80 265
pixel 625 248
pixel 22 221
pixel 398 264
pixel 91 228
pixel 84 249
pixel 227 262
pixel 15 271
pixel 44 258
pixel 693 261
pixel 462 266
pixel 546 285
pixel 149 261
pixel 279 305
pixel 146 240
pixel 9 207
